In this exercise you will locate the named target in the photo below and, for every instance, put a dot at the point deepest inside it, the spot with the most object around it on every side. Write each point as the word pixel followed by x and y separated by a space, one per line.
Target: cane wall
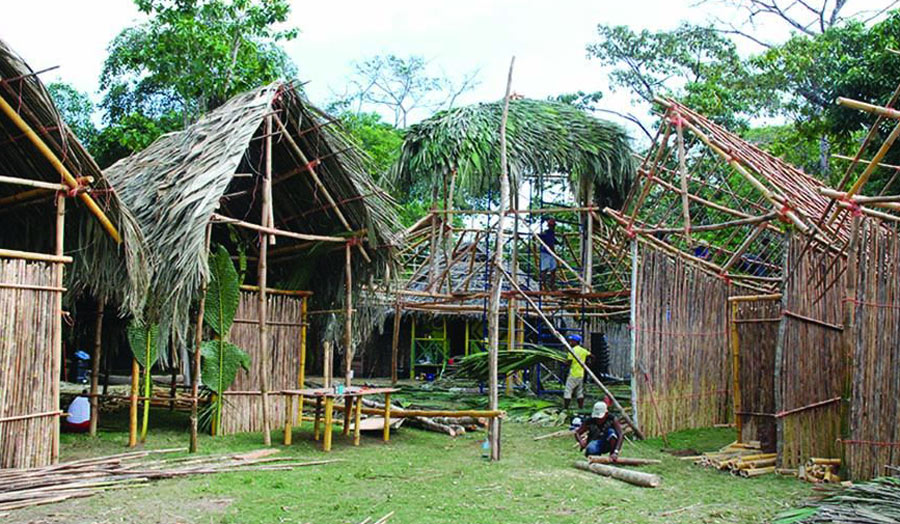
pixel 755 333
pixel 682 367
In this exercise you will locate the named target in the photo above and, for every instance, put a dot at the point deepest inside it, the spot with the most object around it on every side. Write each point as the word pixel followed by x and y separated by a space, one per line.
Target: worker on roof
pixel 548 261
pixel 600 433
pixel 575 380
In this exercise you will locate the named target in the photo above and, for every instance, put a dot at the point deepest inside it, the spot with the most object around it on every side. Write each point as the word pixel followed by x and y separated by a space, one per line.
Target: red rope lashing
pixel 871 304
pixel 782 213
pixel 876 443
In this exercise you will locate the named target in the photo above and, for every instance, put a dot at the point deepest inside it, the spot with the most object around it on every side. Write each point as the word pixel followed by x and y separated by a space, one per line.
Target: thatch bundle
pixel 175 186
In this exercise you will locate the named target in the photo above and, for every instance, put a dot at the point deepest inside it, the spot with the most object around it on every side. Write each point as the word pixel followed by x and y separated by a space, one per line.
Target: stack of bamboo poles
pixel 22 488
pixel 681 357
pixel 28 318
pixel 818 470
pixel 741 459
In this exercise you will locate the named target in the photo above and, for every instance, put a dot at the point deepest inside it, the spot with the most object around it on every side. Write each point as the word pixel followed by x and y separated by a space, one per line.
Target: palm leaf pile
pixel 100 266
pixel 542 137
pixel 875 502
pixel 508 360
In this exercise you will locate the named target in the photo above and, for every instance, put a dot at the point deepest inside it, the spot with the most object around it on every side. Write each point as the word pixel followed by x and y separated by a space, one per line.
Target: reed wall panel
pixel 243 413
pixel 875 398
pixel 810 366
pixel 756 327
pixel 682 362
pixel 28 322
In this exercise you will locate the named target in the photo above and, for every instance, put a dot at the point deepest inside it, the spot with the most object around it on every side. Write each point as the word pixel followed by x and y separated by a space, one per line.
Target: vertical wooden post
pixel 95 364
pixel 198 341
pixel 301 374
pixel 348 314
pixel 412 349
pixel 356 419
pixel 133 407
pixel 466 349
pixel 262 282
pixel 494 304
pixel 327 363
pixel 395 342
pixel 633 332
pixel 736 369
pixel 589 241
pixel 386 431
pixel 849 339
pixel 682 170
pixel 329 422
pixel 58 268
pixel 288 418
pixel 318 418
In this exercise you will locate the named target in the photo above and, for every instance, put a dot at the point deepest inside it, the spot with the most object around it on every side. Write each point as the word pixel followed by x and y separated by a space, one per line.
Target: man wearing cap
pixel 601 433
pixel 575 380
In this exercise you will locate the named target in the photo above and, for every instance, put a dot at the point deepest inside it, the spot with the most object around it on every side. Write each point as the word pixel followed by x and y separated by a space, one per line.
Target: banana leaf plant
pixel 144 342
pixel 221 359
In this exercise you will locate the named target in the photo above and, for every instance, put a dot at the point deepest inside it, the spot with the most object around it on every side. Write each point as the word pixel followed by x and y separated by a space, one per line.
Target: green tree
pixel 189 57
pixel 379 139
pixel 76 109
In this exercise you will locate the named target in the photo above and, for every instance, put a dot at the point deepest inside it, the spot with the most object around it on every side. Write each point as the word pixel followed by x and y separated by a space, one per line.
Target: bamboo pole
pixel 270 230
pixel 638 478
pixel 348 315
pixel 133 405
pixel 577 359
pixel 60 168
pixel 301 374
pixel 40 257
pixel 95 363
pixel 496 280
pixel 395 342
pixel 198 341
pixel 736 369
pixel 262 281
pixel 848 340
pixel 682 170
pixel 58 270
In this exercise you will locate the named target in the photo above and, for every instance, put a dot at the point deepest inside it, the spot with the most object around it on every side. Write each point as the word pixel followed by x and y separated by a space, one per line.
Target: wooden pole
pixel 587 250
pixel 262 281
pixel 494 304
pixel 95 364
pixel 195 365
pixel 736 369
pixel 301 374
pixel 578 359
pixel 638 478
pixel 348 314
pixel 327 364
pixel 849 339
pixel 395 342
pixel 58 270
pixel 682 170
pixel 133 405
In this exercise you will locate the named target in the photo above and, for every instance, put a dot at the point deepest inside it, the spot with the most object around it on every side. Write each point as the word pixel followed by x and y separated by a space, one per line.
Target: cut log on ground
pixel 622 461
pixel 638 478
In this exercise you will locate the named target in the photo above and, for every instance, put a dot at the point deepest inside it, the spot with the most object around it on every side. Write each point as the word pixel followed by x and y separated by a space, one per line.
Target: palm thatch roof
pixel 216 166
pixel 542 137
pixel 101 265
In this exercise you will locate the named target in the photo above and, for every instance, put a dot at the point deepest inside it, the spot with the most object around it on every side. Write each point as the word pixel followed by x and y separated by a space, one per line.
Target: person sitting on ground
pixel 600 433
pixel 575 380
pixel 79 414
pixel 548 262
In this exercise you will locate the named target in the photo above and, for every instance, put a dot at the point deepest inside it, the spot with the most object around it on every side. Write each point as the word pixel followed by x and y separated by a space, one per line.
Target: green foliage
pixel 379 139
pixel 509 360
pixel 694 64
pixel 786 142
pixel 222 293
pixel 221 359
pixel 76 109
pixel 144 342
pixel 189 57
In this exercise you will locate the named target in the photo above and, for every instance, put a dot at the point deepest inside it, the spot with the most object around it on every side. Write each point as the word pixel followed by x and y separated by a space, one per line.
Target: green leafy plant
pixel 144 342
pixel 221 359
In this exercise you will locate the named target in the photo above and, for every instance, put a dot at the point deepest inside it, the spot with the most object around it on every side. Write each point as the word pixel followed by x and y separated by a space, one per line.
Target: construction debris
pixel 741 459
pixel 22 488
pixel 875 501
pixel 622 461
pixel 819 470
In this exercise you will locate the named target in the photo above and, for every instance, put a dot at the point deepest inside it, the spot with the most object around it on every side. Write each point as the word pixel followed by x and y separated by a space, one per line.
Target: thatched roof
pixel 178 183
pixel 543 137
pixel 100 264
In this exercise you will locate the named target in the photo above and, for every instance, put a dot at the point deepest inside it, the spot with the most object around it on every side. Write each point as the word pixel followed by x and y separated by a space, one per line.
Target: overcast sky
pixel 547 38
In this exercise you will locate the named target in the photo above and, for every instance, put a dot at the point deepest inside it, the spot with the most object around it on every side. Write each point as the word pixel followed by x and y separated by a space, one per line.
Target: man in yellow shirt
pixel 575 380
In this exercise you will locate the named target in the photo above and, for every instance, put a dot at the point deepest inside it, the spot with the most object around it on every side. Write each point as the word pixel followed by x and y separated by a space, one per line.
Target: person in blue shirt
pixel 548 262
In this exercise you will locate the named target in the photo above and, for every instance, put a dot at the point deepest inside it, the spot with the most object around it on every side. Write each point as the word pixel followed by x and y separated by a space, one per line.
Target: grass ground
pixel 426 478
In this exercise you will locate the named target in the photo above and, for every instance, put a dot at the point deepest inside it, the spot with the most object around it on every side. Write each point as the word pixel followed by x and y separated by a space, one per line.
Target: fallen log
pixel 638 478
pixel 621 461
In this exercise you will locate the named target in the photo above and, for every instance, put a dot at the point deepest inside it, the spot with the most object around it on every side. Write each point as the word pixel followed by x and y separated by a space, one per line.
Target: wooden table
pixel 325 398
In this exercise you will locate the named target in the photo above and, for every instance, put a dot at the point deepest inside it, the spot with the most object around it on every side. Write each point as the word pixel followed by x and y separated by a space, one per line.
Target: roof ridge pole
pixel 262 281
pixel 497 280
